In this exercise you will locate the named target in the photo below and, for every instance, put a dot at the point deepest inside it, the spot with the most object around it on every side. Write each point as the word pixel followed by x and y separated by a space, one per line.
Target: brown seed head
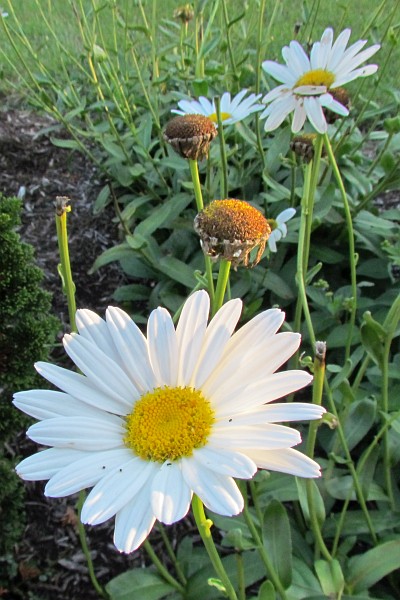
pixel 342 96
pixel 303 146
pixel 190 135
pixel 185 13
pixel 230 229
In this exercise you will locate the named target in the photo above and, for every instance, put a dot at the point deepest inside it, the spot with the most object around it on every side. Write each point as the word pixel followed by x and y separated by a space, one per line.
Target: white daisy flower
pixel 278 226
pixel 308 83
pixel 150 421
pixel 232 110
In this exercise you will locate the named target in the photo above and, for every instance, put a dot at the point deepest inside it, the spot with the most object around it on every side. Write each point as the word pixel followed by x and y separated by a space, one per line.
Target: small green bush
pixel 27 332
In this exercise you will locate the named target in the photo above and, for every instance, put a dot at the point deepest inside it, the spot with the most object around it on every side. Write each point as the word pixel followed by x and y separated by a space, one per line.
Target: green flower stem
pixel 161 569
pixel 263 554
pixel 68 285
pixel 85 549
pixel 350 233
pixel 306 209
pixel 229 41
pixel 223 278
pixel 65 272
pixel 224 164
pixel 241 578
pixel 318 386
pixel 204 527
pixel 194 172
pixel 171 554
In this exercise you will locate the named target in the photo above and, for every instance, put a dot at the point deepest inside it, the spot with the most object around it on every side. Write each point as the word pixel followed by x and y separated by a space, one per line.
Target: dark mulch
pixel 51 565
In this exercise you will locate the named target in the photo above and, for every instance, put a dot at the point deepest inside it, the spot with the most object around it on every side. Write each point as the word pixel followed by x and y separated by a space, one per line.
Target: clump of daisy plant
pixel 230 229
pixel 151 421
pixel 232 109
pixel 311 85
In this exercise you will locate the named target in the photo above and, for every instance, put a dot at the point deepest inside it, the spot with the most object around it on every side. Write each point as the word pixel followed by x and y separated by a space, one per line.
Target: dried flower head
pixel 303 146
pixel 230 229
pixel 190 135
pixel 185 13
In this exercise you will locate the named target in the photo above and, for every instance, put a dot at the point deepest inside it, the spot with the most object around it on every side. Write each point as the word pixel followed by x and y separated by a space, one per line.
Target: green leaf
pixel 101 200
pixel 140 583
pixel 359 421
pixel 305 584
pixel 372 338
pixel 110 255
pixel 341 488
pixel 266 591
pixel 276 284
pixel 366 569
pixel 177 270
pixel 330 577
pixel 316 498
pixel 277 540
pixel 61 143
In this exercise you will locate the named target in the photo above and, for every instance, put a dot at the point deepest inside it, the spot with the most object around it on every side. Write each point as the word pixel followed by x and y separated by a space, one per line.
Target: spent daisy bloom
pixel 309 83
pixel 232 109
pixel 278 227
pixel 150 421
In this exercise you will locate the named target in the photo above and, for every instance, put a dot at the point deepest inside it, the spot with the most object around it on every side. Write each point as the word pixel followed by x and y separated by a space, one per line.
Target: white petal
pixel 85 472
pixel 80 433
pixel 82 388
pixel 47 463
pixel 278 413
pixel 170 494
pixel 285 215
pixel 338 48
pixel 272 241
pixel 258 329
pixel 286 461
pixel 299 117
pixel 190 334
pixel 134 522
pixel 217 335
pixel 132 348
pixel 361 72
pixel 280 109
pixel 328 101
pixel 226 462
pixel 315 114
pixel 321 51
pixel 94 328
pixel 46 404
pixel 115 490
pixel 296 58
pixel 265 436
pixel 219 493
pixel 256 393
pixel 263 357
pixel 279 92
pixel 279 72
pixel 163 347
pixel 103 372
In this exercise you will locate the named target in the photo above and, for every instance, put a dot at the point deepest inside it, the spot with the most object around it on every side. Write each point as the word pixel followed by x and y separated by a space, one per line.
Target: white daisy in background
pixel 151 421
pixel 232 109
pixel 278 226
pixel 308 83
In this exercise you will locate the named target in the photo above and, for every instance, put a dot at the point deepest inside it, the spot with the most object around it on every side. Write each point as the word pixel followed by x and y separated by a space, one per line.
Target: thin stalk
pixel 228 39
pixel 161 569
pixel 171 554
pixel 350 235
pixel 264 554
pixel 303 244
pixel 318 386
pixel 68 285
pixel 241 578
pixel 194 172
pixel 144 90
pixel 222 282
pixel 222 148
pixel 204 527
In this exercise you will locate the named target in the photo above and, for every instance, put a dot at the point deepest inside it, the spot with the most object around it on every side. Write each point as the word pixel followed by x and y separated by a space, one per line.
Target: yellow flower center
pixel 168 423
pixel 224 117
pixel 316 77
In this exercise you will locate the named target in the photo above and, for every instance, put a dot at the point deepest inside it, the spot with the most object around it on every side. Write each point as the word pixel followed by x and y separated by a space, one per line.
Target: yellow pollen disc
pixel 224 117
pixel 316 77
pixel 168 423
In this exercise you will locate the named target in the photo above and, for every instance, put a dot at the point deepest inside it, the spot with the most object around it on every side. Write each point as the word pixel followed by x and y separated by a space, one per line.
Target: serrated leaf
pixel 367 569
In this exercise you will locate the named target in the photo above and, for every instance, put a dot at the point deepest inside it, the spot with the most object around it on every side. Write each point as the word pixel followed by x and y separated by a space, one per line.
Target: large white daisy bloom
pixel 279 228
pixel 232 109
pixel 150 421
pixel 307 81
